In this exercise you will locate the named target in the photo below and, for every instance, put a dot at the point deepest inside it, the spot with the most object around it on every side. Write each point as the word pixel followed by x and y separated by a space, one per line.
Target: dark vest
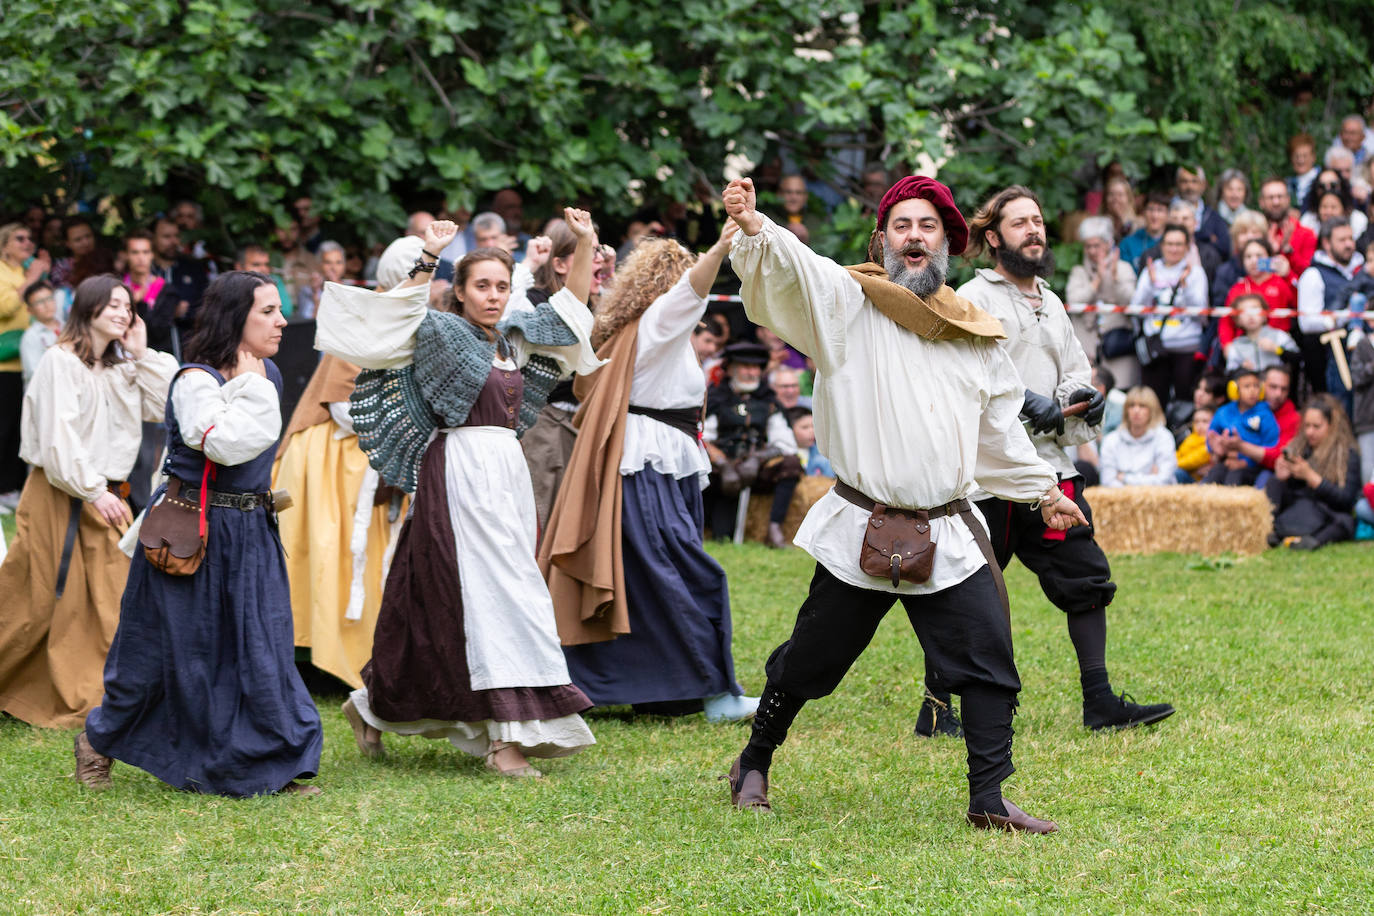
pixel 1336 286
pixel 741 419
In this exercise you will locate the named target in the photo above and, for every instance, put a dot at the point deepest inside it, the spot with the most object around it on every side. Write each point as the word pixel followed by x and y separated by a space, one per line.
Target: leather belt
pixel 684 419
pixel 119 488
pixel 244 502
pixel 868 504
pixel 959 507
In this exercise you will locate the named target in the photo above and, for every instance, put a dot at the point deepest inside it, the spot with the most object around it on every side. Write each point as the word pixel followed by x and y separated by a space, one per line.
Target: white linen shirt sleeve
pixel 805 299
pixel 369 329
pixel 343 419
pixel 52 427
pixel 1311 301
pixel 242 417
pixel 669 317
pixel 153 375
pixel 1007 465
pixel 579 357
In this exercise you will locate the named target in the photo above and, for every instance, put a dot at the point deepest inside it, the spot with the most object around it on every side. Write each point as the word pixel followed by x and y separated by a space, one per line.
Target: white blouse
pixel 907 421
pixel 242 417
pixel 667 376
pixel 82 427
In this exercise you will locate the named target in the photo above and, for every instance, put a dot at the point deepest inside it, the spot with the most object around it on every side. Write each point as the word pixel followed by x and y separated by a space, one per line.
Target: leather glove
pixel 1043 413
pixel 1097 404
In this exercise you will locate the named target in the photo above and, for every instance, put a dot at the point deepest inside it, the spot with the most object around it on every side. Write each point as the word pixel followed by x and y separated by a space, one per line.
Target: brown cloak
pixel 580 554
pixel 333 381
pixel 944 316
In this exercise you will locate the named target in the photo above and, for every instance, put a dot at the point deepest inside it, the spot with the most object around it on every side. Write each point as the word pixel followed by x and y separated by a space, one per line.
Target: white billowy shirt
pixel 910 422
pixel 83 427
pixel 1045 351
pixel 667 376
pixel 231 423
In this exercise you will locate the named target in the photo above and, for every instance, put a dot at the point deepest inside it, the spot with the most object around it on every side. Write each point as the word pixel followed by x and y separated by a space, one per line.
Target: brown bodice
pixel 498 403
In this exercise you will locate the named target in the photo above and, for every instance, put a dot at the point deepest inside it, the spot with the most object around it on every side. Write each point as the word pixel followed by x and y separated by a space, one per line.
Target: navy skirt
pixel 201 687
pixel 678 647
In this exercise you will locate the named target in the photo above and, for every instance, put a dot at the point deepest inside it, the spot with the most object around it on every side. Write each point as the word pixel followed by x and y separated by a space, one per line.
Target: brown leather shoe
pixel 752 793
pixel 301 789
pixel 92 768
pixel 1016 819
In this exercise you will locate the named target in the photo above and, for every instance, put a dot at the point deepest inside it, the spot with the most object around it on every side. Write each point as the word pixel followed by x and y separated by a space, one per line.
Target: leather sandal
pixel 751 793
pixel 1015 820
pixel 92 767
pixel 369 739
pixel 519 772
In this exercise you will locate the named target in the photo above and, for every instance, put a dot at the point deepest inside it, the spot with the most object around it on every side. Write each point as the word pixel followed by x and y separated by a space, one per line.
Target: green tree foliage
pixel 370 105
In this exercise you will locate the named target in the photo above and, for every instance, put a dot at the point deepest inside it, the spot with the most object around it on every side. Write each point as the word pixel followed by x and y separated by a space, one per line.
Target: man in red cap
pixel 1073 570
pixel 914 401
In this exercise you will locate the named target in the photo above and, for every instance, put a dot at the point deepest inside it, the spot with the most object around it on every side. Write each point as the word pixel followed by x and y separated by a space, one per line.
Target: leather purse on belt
pixel 173 534
pixel 897 544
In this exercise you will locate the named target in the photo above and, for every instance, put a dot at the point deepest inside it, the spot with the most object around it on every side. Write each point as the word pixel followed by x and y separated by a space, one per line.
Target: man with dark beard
pixel 914 401
pixel 1040 342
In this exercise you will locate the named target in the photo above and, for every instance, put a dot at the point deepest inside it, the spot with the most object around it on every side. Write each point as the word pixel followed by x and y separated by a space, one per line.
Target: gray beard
pixel 925 281
pixel 743 387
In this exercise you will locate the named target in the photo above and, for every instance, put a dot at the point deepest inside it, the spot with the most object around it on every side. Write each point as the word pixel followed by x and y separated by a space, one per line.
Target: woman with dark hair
pixel 466 648
pixel 1329 198
pixel 61 582
pixel 626 531
pixel 201 688
pixel 1316 480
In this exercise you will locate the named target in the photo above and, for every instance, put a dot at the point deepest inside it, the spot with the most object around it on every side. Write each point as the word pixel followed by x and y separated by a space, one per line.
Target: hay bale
pixel 809 489
pixel 1206 519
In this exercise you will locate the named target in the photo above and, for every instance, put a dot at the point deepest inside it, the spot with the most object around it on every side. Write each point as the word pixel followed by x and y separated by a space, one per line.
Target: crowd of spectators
pixel 1208 309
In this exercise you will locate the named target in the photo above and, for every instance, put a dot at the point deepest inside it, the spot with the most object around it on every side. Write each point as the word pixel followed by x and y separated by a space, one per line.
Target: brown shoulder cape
pixel 943 316
pixel 580 554
pixel 333 381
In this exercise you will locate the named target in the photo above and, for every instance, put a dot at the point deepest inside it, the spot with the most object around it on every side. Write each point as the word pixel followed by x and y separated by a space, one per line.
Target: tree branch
pixel 438 89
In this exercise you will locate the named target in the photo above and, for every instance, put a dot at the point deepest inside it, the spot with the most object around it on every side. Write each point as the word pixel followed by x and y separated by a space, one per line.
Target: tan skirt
pixel 52 651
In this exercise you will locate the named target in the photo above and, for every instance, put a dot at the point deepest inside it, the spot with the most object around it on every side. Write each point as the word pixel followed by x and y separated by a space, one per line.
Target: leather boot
pixel 750 793
pixel 92 767
pixel 1015 819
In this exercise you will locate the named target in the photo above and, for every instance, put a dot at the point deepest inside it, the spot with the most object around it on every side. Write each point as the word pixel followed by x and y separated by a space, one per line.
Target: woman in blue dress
pixel 201 689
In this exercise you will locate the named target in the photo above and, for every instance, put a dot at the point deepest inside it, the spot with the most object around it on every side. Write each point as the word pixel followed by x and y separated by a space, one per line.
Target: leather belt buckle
pixel 248 502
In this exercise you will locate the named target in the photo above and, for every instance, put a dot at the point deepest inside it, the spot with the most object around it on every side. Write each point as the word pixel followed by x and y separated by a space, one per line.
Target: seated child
pixel 1194 461
pixel 804 432
pixel 1246 419
pixel 1259 346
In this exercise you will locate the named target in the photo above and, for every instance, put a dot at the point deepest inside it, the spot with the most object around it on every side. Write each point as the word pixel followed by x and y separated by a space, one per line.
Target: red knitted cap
pixel 956 230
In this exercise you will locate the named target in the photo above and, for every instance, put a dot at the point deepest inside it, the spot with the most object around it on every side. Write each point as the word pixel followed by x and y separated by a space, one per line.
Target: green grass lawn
pixel 1255 797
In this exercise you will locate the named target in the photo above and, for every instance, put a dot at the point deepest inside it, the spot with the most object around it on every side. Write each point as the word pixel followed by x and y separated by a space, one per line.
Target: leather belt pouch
pixel 897 545
pixel 172 533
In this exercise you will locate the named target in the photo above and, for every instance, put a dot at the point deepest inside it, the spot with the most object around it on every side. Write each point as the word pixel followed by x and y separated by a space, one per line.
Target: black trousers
pixel 721 510
pixel 963 632
pixel 1172 376
pixel 1073 572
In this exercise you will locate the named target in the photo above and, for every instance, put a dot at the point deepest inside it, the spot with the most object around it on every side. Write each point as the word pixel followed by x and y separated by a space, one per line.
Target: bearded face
pixel 925 278
pixel 1030 258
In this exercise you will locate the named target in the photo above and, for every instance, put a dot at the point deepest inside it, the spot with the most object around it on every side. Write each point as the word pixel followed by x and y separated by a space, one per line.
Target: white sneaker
pixel 727 707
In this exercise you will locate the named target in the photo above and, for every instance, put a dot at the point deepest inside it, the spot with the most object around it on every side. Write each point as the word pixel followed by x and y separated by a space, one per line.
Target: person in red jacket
pixel 1293 243
pixel 1260 280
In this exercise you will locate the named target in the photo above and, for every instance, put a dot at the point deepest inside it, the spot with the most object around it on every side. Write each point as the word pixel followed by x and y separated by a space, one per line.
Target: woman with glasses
pixel 19 267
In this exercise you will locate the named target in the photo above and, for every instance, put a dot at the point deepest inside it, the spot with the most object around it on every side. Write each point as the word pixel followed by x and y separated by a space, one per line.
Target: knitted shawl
pixel 396 411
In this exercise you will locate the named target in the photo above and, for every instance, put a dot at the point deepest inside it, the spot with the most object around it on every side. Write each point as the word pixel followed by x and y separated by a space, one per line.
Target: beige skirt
pixel 52 651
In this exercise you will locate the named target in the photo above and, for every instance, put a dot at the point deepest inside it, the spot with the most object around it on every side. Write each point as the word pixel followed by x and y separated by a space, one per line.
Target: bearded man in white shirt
pixel 916 406
pixel 1073 571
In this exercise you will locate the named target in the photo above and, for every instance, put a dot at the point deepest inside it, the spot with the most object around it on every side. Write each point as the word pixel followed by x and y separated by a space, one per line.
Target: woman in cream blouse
pixel 64 574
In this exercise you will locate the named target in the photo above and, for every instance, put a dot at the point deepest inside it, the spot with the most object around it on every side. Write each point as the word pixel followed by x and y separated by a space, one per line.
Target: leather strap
pixel 68 543
pixel 683 419
pixel 964 510
pixel 868 504
pixel 980 537
pixel 245 502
